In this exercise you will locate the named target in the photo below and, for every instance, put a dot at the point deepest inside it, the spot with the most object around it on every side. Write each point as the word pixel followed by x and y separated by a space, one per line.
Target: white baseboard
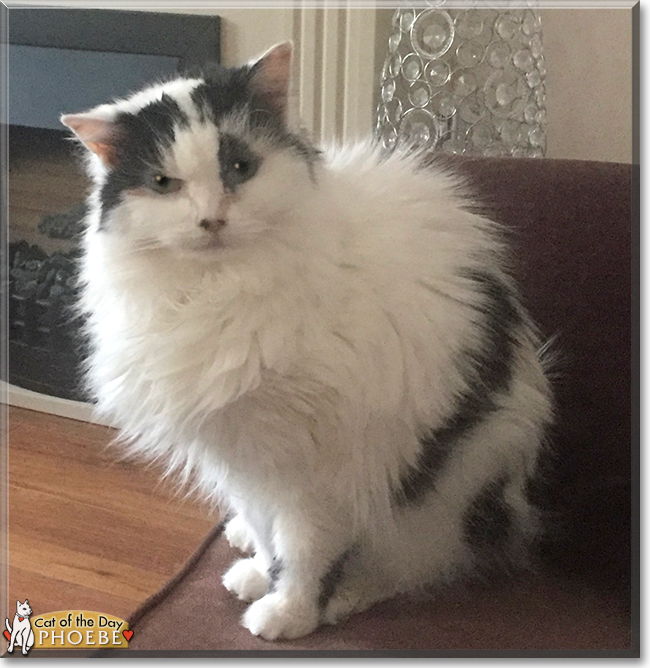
pixel 75 410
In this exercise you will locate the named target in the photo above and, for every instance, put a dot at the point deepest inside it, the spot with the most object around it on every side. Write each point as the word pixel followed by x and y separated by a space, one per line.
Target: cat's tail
pixel 8 625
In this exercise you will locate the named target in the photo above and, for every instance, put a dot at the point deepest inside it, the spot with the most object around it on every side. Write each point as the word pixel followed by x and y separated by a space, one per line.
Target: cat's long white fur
pixel 290 376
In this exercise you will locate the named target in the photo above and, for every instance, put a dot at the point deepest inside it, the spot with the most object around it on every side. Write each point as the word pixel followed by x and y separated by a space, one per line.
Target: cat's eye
pixel 238 162
pixel 164 185
pixel 242 167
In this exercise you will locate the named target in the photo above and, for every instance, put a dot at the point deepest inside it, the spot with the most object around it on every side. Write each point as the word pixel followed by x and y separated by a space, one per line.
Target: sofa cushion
pixel 569 225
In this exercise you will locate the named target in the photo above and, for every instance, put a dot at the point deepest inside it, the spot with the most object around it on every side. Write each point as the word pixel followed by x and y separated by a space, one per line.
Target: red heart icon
pixel 128 635
pixel 8 636
pixel 20 619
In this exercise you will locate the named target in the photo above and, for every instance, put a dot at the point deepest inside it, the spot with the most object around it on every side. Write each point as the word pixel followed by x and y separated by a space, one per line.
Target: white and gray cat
pixel 325 342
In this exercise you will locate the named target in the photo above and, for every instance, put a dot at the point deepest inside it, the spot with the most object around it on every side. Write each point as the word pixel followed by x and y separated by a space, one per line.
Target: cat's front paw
pixel 247 579
pixel 276 617
pixel 238 534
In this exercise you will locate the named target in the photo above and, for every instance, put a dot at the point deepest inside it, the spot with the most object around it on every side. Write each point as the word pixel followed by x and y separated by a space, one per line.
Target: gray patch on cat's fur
pixel 228 92
pixel 332 578
pixel 234 151
pixel 487 374
pixel 223 91
pixel 140 141
pixel 488 521
pixel 274 574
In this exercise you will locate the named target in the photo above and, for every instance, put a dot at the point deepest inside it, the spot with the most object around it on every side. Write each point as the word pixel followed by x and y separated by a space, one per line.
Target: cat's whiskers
pixel 146 245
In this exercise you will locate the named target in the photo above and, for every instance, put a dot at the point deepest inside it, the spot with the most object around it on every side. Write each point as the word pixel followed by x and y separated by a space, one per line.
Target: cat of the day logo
pixel 65 629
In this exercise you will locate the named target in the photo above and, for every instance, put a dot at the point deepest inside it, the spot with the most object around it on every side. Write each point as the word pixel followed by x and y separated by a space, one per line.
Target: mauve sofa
pixel 570 225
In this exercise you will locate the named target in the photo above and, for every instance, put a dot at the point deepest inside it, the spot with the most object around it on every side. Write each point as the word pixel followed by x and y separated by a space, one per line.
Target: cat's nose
pixel 212 225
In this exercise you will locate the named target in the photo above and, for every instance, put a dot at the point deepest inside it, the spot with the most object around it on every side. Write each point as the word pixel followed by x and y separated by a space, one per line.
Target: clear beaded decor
pixel 465 80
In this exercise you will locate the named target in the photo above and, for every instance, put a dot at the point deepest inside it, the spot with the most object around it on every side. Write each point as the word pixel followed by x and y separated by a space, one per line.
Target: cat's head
pixel 23 609
pixel 198 164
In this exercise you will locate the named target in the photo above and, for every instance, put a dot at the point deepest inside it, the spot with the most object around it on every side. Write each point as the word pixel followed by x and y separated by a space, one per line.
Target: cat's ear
pixel 18 603
pixel 271 75
pixel 96 131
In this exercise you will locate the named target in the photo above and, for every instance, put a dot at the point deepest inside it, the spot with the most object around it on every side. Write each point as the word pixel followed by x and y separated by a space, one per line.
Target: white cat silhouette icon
pixel 21 632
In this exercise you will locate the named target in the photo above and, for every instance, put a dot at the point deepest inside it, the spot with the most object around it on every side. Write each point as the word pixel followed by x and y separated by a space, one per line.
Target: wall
pixel 589 83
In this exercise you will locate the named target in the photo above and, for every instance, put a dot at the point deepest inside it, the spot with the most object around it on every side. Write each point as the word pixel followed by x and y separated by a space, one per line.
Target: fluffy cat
pixel 326 343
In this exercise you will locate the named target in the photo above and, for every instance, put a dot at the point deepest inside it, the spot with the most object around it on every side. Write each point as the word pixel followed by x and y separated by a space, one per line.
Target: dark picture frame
pixel 192 38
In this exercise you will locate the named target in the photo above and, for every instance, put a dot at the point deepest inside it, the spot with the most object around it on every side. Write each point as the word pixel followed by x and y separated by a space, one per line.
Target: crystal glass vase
pixel 464 80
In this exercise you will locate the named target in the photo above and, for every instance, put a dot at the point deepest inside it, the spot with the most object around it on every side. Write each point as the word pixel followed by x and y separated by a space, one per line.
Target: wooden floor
pixel 88 532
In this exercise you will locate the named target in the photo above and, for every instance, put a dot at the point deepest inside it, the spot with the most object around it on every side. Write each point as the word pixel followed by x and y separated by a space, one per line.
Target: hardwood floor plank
pixel 86 530
pixel 83 444
pixel 135 539
pixel 65 565
pixel 43 473
pixel 48 594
